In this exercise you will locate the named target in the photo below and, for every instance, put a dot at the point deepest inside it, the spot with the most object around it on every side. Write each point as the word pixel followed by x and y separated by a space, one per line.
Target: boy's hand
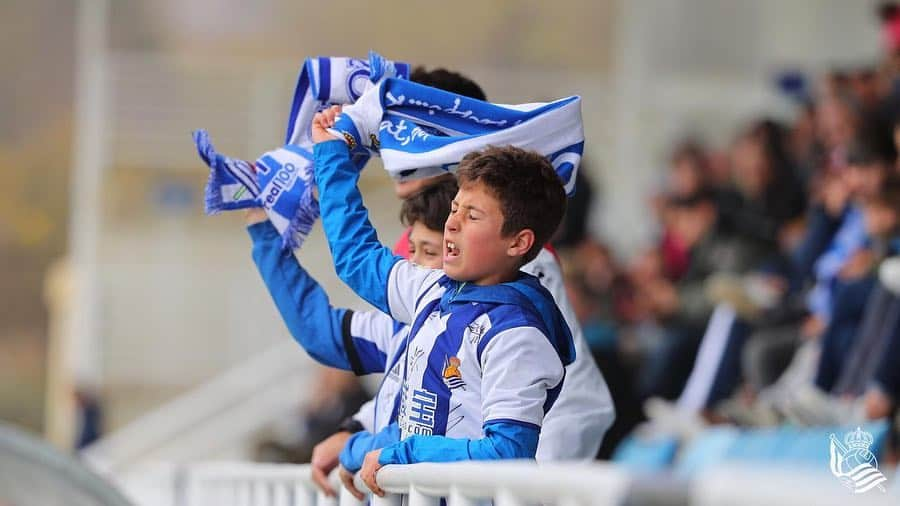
pixel 835 194
pixel 369 469
pixel 347 479
pixel 255 215
pixel 858 265
pixel 322 121
pixel 812 327
pixel 663 297
pixel 325 458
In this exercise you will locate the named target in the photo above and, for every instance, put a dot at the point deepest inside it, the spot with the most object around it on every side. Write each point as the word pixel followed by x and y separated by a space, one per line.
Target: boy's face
pixel 685 177
pixel 880 218
pixel 864 180
pixel 474 248
pixel 835 123
pixel 426 246
pixel 691 224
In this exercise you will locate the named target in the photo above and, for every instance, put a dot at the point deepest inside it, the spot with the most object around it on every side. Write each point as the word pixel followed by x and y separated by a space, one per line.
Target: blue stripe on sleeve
pixel 553 393
pixel 510 421
pixel 371 359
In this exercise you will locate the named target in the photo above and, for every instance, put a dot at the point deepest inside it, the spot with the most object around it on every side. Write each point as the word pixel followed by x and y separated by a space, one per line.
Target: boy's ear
pixel 520 243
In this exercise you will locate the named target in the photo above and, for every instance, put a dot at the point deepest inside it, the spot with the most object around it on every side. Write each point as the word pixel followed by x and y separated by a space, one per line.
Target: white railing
pixel 515 483
pixel 246 484
pixel 462 484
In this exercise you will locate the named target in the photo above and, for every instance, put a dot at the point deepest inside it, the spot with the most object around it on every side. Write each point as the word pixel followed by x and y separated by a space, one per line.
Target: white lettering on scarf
pixel 401 100
pixel 397 132
pixel 283 179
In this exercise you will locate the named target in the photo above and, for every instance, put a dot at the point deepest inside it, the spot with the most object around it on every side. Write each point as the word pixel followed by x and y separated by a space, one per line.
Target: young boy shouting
pixel 372 341
pixel 485 354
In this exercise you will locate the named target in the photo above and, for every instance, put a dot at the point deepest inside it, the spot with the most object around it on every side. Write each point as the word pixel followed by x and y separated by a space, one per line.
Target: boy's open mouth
pixel 450 249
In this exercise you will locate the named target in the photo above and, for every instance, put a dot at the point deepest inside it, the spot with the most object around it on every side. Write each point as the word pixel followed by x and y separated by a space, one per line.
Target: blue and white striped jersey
pixel 468 362
pixel 574 426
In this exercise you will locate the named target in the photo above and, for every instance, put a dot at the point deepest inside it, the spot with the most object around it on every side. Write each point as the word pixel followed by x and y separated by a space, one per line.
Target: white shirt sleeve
pixel 519 367
pixel 406 284
pixel 374 327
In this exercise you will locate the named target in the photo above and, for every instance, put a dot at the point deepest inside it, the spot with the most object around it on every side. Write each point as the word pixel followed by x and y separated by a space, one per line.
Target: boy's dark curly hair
pixel 531 194
pixel 447 80
pixel 430 205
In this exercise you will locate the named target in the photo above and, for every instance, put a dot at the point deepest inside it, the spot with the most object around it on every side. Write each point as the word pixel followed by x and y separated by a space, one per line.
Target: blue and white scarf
pixel 422 131
pixel 280 181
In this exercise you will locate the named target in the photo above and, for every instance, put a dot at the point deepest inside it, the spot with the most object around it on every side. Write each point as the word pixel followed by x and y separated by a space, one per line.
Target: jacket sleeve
pixel 361 443
pixel 502 440
pixel 335 337
pixel 370 269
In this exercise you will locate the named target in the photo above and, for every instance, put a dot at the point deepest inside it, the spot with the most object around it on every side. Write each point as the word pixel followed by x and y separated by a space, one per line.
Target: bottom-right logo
pixel 854 464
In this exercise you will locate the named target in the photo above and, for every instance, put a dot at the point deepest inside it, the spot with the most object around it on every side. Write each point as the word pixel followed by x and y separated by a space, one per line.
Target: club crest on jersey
pixel 452 376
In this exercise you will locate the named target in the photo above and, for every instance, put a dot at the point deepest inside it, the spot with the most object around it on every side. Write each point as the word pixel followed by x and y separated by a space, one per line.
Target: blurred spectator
pixel 600 295
pixel 687 177
pixel 836 125
pixel 881 213
pixel 684 307
pixel 767 192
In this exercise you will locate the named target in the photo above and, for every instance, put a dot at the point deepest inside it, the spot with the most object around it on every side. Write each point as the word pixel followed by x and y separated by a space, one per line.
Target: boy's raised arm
pixel 335 337
pixel 360 259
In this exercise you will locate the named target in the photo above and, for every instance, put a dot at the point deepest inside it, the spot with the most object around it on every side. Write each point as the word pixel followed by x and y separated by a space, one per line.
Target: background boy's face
pixel 426 246
pixel 474 247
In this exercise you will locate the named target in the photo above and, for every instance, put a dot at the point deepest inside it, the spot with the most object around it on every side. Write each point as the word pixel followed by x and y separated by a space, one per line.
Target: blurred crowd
pixel 771 293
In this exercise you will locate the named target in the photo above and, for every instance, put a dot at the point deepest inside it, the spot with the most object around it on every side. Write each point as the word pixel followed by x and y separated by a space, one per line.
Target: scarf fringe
pixel 218 177
pixel 213 193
